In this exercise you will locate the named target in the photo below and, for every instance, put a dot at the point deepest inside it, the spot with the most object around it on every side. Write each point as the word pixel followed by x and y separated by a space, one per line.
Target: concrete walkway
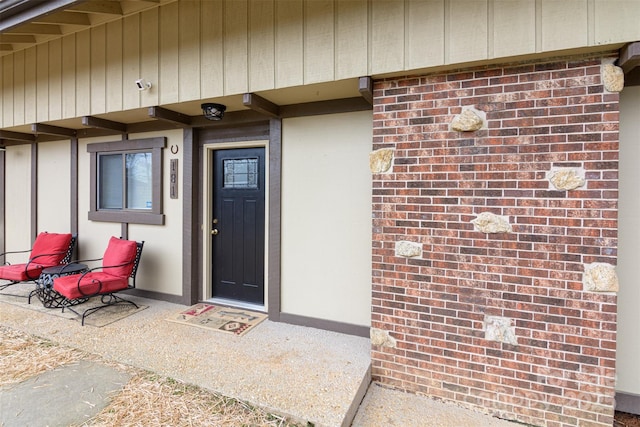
pixel 306 374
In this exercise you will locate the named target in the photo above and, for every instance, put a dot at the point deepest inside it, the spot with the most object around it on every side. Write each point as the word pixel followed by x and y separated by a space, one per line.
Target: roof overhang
pixel 25 23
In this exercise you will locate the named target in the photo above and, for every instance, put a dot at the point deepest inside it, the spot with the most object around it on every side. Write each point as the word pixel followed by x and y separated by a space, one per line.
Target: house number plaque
pixel 173 178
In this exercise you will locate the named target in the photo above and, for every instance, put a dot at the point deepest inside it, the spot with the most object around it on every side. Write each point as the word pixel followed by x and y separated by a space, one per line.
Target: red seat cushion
pixel 92 283
pixel 119 251
pixel 50 248
pixel 18 273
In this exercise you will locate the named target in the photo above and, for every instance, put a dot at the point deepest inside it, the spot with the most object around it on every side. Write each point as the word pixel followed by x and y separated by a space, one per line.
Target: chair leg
pixel 107 301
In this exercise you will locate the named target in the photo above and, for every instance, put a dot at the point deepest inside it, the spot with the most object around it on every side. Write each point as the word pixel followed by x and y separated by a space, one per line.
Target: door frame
pixel 207 215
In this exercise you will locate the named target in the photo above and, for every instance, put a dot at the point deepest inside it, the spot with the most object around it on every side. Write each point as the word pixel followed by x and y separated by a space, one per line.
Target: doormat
pixel 18 295
pixel 234 321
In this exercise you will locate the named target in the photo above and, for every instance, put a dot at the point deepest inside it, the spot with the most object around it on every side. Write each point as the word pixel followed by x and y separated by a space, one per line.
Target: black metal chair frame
pixel 67 258
pixel 106 298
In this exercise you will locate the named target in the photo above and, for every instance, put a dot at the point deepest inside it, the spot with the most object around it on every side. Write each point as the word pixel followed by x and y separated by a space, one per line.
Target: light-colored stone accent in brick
pixel 501 329
pixel 600 277
pixel 380 160
pixel 467 121
pixel 488 222
pixel 613 78
pixel 408 249
pixel 567 178
pixel 381 337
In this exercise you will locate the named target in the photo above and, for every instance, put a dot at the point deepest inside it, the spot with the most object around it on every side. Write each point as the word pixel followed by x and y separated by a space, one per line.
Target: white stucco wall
pixel 18 201
pixel 54 177
pixel 161 263
pixel 326 217
pixel 628 368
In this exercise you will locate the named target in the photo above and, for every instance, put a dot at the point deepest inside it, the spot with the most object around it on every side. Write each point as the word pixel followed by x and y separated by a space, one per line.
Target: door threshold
pixel 237 304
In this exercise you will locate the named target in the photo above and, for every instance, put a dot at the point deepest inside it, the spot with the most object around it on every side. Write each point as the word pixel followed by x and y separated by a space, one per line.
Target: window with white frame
pixel 126 181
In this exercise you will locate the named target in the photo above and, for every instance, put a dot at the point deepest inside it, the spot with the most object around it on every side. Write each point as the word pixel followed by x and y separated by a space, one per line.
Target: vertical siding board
pixel 150 56
pixel 98 69
pixel 261 45
pixel 169 69
pixel 289 43
pixel 42 83
pixel 30 90
pixel 18 87
pixel 616 21
pixel 319 41
pixel 514 27
pixel 236 46
pixel 7 92
pixel 564 24
pixel 425 33
pixel 189 51
pixel 114 66
pixel 69 76
pixel 83 70
pixel 387 36
pixel 3 93
pixel 468 31
pixel 131 61
pixel 351 55
pixel 211 62
pixel 55 79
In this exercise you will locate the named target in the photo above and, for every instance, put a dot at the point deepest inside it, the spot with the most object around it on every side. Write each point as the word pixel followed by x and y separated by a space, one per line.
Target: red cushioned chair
pixel 117 273
pixel 49 250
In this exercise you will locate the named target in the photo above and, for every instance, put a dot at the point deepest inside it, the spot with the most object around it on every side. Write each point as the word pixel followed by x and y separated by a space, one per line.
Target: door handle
pixel 214 231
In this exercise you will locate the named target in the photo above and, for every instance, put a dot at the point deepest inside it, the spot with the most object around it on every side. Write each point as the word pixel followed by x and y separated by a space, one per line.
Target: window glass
pixel 139 181
pixel 126 181
pixel 110 181
pixel 241 173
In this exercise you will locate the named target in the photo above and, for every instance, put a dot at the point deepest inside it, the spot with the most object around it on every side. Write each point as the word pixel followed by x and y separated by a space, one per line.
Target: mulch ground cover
pixel 623 419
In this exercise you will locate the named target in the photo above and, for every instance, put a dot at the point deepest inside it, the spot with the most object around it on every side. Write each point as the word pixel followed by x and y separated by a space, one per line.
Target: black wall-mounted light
pixel 213 111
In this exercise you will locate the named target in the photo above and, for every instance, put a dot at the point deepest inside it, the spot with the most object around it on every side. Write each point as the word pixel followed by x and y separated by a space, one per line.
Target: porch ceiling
pixel 326 98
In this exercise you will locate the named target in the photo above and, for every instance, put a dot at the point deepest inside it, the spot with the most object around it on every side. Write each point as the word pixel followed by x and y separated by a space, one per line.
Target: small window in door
pixel 240 173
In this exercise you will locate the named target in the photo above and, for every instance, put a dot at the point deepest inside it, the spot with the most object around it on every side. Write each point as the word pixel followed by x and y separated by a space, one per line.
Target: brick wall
pixel 559 369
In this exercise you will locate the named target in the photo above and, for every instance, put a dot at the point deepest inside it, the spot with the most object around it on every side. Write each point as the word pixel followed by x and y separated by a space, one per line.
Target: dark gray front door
pixel 238 228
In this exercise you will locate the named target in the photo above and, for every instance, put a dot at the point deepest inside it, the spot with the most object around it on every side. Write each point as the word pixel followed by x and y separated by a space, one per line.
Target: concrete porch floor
pixel 306 374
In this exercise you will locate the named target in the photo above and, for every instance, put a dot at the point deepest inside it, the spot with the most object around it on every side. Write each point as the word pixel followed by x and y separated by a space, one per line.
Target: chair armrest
pixel 34 260
pixel 77 261
pixel 41 255
pixel 96 281
pixel 15 252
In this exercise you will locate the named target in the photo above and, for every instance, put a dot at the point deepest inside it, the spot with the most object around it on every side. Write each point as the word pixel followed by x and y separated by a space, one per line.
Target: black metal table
pixel 44 285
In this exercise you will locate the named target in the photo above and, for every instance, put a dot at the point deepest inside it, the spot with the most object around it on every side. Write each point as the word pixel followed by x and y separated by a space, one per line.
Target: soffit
pixel 26 23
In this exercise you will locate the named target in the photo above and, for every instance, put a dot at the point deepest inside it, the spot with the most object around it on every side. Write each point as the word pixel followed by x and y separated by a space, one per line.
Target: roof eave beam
pixel 365 87
pixel 169 116
pixel 261 105
pixel 17 136
pixel 629 57
pixel 41 128
pixel 96 122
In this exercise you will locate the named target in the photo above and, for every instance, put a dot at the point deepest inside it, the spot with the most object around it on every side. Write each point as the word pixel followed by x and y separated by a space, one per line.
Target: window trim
pixel 152 217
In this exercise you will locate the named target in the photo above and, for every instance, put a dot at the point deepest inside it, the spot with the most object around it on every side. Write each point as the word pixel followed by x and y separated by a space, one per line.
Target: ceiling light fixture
pixel 213 111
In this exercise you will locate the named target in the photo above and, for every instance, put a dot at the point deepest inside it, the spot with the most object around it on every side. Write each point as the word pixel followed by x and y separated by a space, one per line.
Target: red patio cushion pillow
pixel 91 284
pixel 50 248
pixel 119 251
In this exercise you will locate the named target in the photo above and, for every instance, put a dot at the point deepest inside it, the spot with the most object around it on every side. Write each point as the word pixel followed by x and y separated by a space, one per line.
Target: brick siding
pixel 539 115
